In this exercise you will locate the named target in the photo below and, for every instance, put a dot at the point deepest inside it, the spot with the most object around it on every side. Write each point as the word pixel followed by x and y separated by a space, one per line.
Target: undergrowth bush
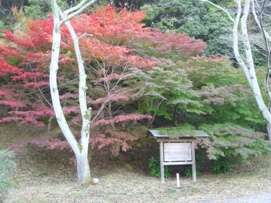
pixel 154 168
pixel 210 95
pixel 232 145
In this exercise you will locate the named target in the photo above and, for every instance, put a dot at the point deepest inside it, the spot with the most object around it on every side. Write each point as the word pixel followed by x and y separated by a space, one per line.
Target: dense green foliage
pixel 131 4
pixel 154 168
pixel 211 95
pixel 197 19
pixel 40 8
pixel 231 140
pixel 202 21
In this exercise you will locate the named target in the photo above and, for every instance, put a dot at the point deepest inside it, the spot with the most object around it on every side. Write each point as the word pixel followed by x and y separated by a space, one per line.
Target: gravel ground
pixel 258 198
pixel 129 187
pixel 48 178
pixel 123 185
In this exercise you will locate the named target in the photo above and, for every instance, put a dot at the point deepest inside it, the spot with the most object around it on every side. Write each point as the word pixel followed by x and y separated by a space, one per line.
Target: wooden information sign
pixel 177 148
pixel 177 152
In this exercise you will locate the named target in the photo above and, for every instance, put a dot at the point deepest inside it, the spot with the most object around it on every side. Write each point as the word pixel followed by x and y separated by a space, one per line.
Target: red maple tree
pixel 112 44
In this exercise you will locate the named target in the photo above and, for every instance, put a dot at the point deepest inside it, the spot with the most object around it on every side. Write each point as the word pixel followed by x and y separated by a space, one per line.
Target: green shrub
pixel 230 144
pixel 2 25
pixel 195 18
pixel 171 98
pixel 40 8
pixel 231 140
pixel 154 168
pixel 212 96
pixel 200 20
pixel 221 165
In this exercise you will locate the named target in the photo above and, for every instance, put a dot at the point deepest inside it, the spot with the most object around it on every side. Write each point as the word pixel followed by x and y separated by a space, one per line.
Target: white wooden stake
pixel 178 180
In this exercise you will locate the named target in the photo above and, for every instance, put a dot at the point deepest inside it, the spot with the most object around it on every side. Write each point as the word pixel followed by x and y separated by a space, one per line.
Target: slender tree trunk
pixel 246 61
pixel 80 149
pixel 83 170
pixel 53 70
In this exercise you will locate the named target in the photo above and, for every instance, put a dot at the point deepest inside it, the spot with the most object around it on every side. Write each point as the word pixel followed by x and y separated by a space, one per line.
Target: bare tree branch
pixel 220 8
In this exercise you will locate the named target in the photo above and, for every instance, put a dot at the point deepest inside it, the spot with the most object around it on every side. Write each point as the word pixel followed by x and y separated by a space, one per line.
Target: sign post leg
pixel 162 172
pixel 194 163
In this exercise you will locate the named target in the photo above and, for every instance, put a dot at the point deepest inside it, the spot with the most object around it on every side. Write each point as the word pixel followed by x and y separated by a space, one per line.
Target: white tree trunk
pixel 249 67
pixel 80 149
pixel 83 169
pixel 246 61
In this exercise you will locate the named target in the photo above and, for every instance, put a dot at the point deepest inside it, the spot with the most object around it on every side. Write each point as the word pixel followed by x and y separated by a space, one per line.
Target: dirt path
pixel 259 198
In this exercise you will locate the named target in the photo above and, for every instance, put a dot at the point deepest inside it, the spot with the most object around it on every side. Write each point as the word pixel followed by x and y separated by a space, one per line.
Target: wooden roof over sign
pixel 177 133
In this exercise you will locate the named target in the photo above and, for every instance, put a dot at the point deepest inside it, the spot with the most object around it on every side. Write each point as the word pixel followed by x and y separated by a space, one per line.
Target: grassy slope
pixel 48 177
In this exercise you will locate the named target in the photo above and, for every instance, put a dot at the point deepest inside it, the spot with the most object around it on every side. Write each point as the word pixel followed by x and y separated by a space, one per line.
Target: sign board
pixel 177 147
pixel 177 152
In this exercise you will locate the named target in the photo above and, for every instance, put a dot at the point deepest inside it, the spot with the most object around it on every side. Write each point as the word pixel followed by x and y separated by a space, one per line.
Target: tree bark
pixel 83 169
pixel 53 70
pixel 80 149
pixel 246 61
